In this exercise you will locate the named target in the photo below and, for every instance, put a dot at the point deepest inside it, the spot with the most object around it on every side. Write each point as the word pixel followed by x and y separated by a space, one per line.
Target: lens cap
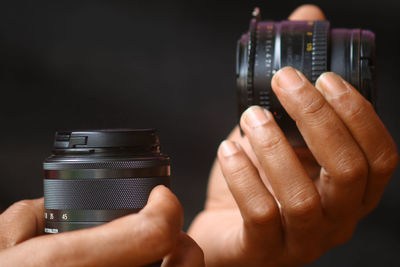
pixel 107 138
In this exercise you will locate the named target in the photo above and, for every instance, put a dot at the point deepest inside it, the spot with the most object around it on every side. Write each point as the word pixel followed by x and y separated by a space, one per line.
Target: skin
pixel 135 240
pixel 267 204
pixel 271 205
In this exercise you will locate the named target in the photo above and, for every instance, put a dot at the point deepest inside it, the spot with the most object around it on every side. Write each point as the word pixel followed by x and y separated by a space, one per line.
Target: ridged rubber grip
pixel 100 194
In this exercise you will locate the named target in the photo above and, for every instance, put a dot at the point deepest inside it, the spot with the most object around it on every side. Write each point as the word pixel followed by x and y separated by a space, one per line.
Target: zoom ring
pixel 99 194
pixel 319 51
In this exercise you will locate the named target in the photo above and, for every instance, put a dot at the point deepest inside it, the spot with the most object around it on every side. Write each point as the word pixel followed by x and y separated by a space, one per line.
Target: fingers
pixel 22 221
pixel 307 12
pixel 186 254
pixel 367 129
pixel 133 240
pixel 256 204
pixel 344 167
pixel 293 189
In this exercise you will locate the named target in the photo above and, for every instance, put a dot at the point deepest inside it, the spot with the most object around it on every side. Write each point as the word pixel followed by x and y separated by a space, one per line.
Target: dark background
pixel 168 65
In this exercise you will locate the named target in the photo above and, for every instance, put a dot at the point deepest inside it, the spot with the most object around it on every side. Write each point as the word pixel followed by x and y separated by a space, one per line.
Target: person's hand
pixel 281 207
pixel 134 240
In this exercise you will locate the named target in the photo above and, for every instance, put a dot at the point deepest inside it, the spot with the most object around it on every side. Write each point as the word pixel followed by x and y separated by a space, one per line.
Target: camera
pixel 93 177
pixel 312 47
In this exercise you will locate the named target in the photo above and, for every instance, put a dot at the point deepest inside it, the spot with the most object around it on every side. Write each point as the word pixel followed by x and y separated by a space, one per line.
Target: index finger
pixel 307 12
pixel 133 240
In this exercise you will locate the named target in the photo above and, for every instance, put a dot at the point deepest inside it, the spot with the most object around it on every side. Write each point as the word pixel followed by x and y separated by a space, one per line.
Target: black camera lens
pixel 309 46
pixel 93 177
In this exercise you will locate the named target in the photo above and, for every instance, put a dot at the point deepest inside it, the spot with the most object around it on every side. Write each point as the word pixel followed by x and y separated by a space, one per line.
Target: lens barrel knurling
pixel 319 50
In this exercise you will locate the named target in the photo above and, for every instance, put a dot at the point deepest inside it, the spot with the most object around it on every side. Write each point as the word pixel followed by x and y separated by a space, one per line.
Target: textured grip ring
pixel 99 194
pixel 319 49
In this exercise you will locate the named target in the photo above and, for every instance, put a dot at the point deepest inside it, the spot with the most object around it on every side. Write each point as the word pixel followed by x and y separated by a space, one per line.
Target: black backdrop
pixel 168 65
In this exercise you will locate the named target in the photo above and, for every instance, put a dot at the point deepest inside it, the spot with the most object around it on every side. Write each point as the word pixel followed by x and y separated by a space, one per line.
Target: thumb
pixel 307 12
pixel 133 240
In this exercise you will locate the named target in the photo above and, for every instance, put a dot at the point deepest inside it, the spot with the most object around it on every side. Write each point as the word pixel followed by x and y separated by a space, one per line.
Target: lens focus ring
pixel 319 52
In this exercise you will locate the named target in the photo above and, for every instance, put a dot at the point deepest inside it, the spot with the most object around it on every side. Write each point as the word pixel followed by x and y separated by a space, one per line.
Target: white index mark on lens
pixel 277 59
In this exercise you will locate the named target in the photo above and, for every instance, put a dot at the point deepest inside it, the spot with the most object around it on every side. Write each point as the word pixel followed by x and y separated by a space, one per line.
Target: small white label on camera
pixel 51 230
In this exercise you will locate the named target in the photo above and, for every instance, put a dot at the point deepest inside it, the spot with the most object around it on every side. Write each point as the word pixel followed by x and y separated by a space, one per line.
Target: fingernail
pixel 229 148
pixel 332 85
pixel 256 116
pixel 289 78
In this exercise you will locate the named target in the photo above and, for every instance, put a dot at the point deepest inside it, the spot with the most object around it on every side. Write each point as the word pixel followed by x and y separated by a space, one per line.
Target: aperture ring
pixel 99 194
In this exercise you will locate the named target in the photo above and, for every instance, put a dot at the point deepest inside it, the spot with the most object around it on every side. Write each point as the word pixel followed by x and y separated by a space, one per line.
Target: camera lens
pixel 93 177
pixel 309 46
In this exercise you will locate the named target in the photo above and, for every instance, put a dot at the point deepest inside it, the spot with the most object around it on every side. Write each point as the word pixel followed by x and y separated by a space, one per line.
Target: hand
pixel 281 207
pixel 133 240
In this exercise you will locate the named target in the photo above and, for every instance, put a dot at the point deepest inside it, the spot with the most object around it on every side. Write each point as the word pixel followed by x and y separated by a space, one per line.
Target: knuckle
pixel 314 106
pixel 240 170
pixel 270 143
pixel 386 163
pixel 262 215
pixel 350 166
pixel 356 108
pixel 352 170
pixel 303 204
